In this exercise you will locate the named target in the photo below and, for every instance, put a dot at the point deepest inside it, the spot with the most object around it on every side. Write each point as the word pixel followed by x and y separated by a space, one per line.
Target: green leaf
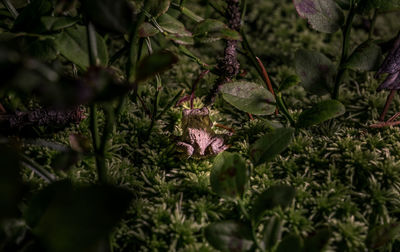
pixel 229 236
pixel 366 57
pixel 176 30
pixel 277 195
pixel 316 71
pixel 57 23
pixel 29 18
pixel 290 243
pixel 381 235
pixel 147 30
pixel 272 232
pixel 270 145
pixel 210 30
pixel 229 175
pixel 75 218
pixel 318 241
pixel 181 40
pixel 249 97
pixel 289 82
pixel 11 187
pixel 320 112
pixel 111 15
pixel 73 45
pixel 155 63
pixel 323 16
pixel 173 25
pixel 158 7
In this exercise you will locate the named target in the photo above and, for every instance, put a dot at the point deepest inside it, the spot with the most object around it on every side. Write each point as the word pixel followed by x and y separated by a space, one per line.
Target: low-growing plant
pixel 93 131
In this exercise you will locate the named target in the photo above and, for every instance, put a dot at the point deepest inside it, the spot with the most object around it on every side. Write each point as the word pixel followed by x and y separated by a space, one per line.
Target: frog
pixel 198 139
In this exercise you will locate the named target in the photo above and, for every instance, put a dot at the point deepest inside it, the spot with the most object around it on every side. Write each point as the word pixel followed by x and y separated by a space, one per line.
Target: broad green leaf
pixel 147 30
pixel 228 236
pixel 290 243
pixel 272 232
pixel 11 187
pixel 320 112
pixel 318 241
pixel 29 18
pixel 155 63
pixel 158 7
pixel 57 23
pixel 75 218
pixel 72 44
pixel 316 71
pixel 381 235
pixel 210 30
pixel 289 82
pixel 278 195
pixel 249 97
pixel 366 57
pixel 323 16
pixel 112 15
pixel 173 25
pixel 270 145
pixel 229 175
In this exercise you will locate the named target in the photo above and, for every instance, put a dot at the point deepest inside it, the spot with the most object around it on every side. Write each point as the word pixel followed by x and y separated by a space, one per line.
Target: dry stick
pixel 387 104
pixel 267 80
pixel 229 64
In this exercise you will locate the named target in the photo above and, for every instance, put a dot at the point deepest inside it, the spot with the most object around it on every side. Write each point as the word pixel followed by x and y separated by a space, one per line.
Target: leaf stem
pixel 14 13
pixel 282 107
pixel 345 51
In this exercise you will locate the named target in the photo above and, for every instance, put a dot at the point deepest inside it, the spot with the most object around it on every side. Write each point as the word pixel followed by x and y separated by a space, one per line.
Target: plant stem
pixel 99 147
pixel 252 224
pixel 282 107
pixel 92 45
pixel 373 22
pixel 133 44
pixel 345 51
pixel 107 132
pixel 14 13
pixel 251 55
pixel 387 104
pixel 36 168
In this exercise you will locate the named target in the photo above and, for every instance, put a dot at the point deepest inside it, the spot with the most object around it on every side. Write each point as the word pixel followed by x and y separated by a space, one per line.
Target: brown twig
pixel 225 127
pixel 388 123
pixel 387 104
pixel 267 80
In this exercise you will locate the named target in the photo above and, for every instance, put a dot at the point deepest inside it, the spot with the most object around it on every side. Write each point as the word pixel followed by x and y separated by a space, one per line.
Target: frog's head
pixel 196 118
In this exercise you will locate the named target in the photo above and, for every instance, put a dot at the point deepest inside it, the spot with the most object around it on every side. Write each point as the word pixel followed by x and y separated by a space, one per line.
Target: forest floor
pixel 346 174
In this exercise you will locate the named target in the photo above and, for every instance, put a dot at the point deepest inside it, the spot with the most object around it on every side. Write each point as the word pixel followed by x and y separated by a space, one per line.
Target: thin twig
pixel 387 104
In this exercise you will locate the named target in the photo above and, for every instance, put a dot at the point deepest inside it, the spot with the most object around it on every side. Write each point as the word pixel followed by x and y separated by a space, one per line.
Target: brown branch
pixel 229 65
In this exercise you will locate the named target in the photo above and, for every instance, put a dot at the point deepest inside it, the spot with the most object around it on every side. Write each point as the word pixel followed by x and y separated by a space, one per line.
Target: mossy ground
pixel 346 175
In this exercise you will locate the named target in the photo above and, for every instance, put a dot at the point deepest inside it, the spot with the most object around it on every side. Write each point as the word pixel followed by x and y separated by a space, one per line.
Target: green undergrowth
pixel 346 175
